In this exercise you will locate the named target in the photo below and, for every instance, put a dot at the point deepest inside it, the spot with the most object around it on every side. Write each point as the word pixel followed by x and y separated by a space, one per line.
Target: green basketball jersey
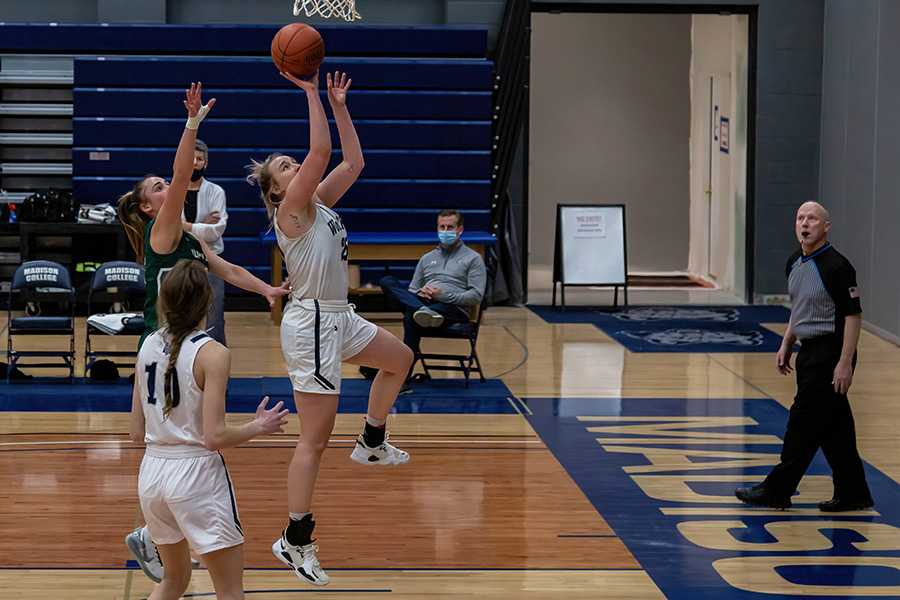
pixel 155 268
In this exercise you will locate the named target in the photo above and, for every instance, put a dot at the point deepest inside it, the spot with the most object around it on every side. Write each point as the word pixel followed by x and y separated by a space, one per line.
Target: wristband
pixel 194 122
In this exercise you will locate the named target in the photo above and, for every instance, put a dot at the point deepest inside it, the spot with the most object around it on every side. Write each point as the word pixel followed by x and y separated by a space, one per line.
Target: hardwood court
pixel 487 507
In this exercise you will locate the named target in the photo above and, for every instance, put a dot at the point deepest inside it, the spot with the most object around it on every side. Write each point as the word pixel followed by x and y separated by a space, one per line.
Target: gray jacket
pixel 459 273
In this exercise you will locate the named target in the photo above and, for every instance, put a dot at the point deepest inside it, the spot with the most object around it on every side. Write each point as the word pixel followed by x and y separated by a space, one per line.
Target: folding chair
pixel 462 331
pixel 36 283
pixel 117 285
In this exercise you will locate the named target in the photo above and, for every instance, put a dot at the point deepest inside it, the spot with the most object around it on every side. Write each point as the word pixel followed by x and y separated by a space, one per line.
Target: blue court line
pixel 437 396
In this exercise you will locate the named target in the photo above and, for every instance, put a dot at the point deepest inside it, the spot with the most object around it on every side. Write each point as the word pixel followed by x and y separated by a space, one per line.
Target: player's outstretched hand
pixel 272 293
pixel 271 420
pixel 337 88
pixel 194 103
pixel 308 85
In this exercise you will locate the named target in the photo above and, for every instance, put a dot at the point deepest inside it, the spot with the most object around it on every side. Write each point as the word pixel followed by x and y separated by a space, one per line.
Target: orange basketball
pixel 298 49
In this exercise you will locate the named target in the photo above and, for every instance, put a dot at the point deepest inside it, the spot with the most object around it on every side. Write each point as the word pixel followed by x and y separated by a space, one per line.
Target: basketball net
pixel 346 9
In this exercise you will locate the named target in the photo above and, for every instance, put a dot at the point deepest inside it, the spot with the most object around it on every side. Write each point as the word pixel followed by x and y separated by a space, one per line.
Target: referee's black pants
pixel 820 418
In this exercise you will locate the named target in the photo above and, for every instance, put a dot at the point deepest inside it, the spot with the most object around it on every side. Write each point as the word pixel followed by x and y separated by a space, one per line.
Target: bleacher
pixel 421 100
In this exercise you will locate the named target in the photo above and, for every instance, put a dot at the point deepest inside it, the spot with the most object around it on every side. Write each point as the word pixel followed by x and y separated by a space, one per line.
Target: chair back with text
pixel 117 288
pixel 43 289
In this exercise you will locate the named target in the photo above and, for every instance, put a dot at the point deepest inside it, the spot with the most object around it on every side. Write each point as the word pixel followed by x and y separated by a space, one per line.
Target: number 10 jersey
pixel 181 434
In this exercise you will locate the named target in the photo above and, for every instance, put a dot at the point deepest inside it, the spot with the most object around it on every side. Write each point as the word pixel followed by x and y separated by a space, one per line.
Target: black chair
pixel 460 331
pixel 36 285
pixel 119 286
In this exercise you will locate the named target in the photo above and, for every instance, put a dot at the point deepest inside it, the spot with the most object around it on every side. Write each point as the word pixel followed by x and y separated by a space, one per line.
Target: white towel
pixel 111 324
pixel 97 213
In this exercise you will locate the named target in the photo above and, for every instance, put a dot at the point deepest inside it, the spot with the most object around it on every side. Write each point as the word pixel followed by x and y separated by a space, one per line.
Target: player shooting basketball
pixel 320 329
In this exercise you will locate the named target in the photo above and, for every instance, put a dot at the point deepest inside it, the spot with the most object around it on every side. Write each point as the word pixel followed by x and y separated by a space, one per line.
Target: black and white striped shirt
pixel 823 292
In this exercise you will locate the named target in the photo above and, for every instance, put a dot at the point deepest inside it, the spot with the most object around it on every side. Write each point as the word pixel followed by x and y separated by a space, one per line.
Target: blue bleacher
pixel 247 40
pixel 225 162
pixel 366 192
pixel 217 133
pixel 421 100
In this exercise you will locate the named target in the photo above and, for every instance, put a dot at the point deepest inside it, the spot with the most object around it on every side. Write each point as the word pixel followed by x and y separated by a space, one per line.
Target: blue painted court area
pixel 662 473
pixel 704 329
pixel 447 396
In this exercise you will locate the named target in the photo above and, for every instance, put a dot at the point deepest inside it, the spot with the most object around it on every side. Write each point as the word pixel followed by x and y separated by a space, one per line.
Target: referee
pixel 826 318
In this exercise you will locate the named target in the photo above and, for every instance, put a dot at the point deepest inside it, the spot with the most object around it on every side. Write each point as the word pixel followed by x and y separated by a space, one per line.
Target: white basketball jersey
pixel 182 433
pixel 317 260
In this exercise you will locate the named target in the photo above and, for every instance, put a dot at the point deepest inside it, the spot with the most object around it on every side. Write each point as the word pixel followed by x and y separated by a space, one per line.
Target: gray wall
pixel 611 124
pixel 861 149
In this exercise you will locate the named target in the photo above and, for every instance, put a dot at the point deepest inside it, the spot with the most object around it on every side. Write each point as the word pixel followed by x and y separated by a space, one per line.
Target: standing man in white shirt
pixel 205 217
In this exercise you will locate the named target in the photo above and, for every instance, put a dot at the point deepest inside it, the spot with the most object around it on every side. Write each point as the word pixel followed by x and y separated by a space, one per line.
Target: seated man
pixel 449 281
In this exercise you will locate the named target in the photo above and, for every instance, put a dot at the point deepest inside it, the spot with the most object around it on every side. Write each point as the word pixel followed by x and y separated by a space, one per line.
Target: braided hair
pixel 184 299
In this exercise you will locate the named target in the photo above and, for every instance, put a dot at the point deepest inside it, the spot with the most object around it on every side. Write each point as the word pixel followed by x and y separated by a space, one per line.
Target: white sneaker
pixel 425 317
pixel 302 559
pixel 147 558
pixel 146 555
pixel 385 454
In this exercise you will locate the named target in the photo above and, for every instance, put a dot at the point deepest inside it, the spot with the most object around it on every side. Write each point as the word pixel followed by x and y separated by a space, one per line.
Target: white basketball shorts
pixel 316 336
pixel 189 498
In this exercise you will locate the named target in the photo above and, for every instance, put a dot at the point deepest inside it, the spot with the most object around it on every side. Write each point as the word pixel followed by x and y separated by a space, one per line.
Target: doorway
pixel 719 149
pixel 607 142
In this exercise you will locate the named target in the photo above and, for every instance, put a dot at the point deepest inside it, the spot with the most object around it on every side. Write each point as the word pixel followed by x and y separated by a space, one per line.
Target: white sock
pixel 145 536
pixel 374 422
pixel 297 516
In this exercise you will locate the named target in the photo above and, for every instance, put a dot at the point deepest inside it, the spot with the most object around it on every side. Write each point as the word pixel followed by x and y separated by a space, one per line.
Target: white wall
pixel 610 124
pixel 740 94
pixel 719 50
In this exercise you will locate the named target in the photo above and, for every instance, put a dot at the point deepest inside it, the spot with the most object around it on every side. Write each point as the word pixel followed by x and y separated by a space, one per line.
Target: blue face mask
pixel 448 238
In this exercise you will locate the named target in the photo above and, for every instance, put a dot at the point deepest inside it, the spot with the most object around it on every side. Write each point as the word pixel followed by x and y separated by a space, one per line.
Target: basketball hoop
pixel 346 9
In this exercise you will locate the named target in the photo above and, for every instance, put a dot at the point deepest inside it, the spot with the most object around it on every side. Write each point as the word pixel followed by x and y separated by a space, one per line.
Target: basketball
pixel 298 49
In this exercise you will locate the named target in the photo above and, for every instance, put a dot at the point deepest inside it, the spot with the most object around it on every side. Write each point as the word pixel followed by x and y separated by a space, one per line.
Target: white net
pixel 345 9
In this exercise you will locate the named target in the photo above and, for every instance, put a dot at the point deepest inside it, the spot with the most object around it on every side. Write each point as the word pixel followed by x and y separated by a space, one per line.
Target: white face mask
pixel 448 238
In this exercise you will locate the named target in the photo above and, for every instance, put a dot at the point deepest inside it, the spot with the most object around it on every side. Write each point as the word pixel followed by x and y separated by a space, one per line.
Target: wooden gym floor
pixel 601 474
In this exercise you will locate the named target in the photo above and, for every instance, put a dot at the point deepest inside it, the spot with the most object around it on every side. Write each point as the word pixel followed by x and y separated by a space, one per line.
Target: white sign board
pixel 590 245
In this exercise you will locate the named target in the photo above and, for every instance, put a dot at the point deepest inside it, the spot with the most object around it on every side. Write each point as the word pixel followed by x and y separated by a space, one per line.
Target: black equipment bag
pixel 50 205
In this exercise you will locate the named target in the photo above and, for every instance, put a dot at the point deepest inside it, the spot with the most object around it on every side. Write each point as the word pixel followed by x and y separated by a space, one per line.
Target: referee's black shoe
pixel 760 496
pixel 839 505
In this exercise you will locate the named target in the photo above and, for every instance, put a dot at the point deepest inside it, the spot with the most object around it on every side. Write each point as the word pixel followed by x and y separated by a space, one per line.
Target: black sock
pixel 373 436
pixel 299 533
